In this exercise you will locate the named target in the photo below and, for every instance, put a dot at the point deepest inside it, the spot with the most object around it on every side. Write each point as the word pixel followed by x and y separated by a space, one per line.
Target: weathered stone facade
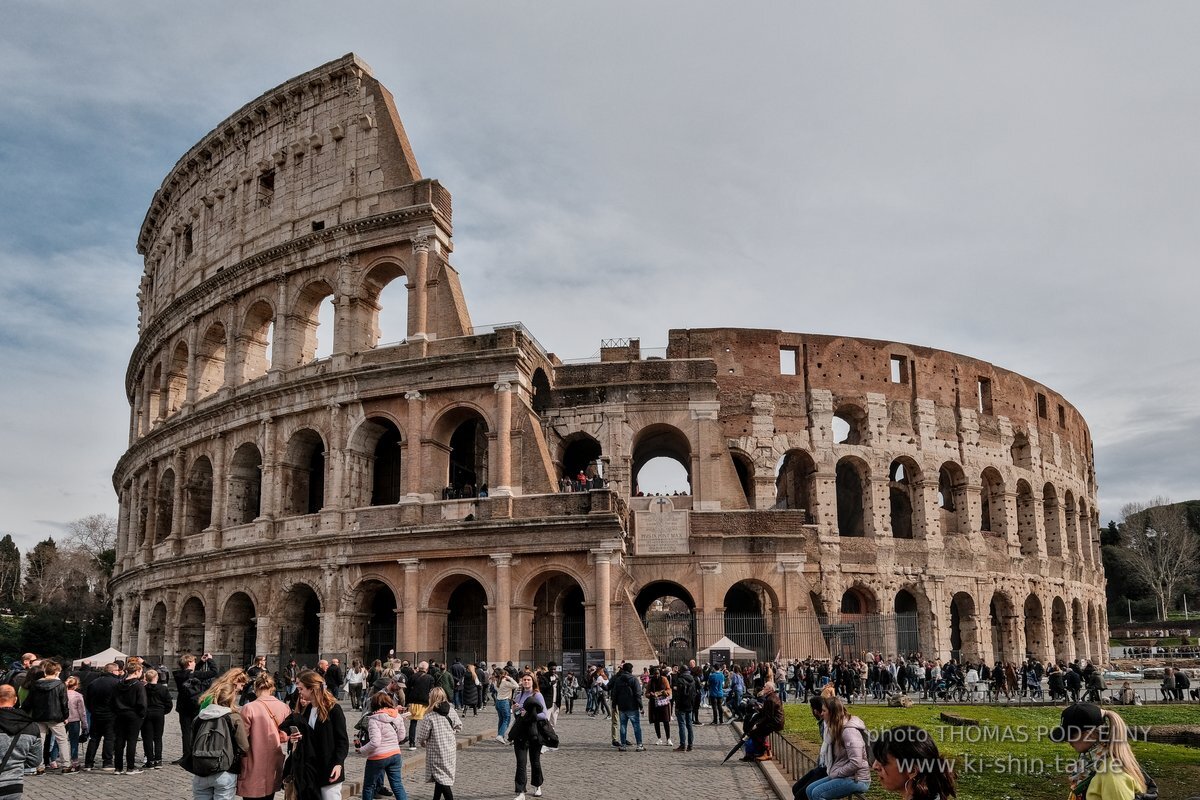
pixel 277 502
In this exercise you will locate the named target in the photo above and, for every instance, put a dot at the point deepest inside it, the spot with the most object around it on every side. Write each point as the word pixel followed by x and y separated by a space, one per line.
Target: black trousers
pixel 101 730
pixel 185 730
pixel 152 733
pixel 126 728
pixel 533 753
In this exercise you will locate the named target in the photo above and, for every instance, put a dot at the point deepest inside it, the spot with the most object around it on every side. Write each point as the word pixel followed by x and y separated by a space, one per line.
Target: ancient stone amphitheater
pixel 297 485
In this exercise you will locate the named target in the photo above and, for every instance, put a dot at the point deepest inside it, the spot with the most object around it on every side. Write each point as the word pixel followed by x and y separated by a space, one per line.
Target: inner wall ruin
pixel 299 484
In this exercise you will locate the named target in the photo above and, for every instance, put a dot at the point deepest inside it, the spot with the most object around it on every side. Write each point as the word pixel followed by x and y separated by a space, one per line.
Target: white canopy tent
pixel 102 658
pixel 736 651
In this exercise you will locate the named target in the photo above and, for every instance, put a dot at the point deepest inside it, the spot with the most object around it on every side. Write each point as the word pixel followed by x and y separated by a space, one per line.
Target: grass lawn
pixel 1009 757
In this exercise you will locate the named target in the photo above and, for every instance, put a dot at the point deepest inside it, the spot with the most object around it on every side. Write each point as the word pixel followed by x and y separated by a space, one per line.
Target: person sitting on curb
pixel 767 720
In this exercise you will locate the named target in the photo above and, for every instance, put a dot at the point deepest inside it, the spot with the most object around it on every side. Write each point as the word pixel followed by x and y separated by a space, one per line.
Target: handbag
pixel 662 701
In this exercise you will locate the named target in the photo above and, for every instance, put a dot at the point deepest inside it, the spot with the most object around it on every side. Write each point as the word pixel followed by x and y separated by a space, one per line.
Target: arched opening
pixel 1078 629
pixel 165 506
pixel 749 618
pixel 858 601
pixel 1035 628
pixel 745 474
pixel 1061 629
pixel 256 341
pixel 240 624
pixel 668 613
pixel 541 391
pixel 143 512
pixel 662 461
pixel 245 485
pixel 304 473
pixel 156 633
pixel 466 623
pixel 851 477
pixel 992 517
pixel 858 626
pixel 154 405
pixel 1020 452
pixel 468 458
pixel 849 424
pixel 1050 520
pixel 1003 621
pixel 558 618
pixel 210 361
pixel 300 626
pixel 952 499
pixel 964 628
pixel 903 476
pixel 908 634
pixel 377 605
pixel 314 307
pixel 177 379
pixel 199 497
pixel 190 633
pixel 795 483
pixel 581 457
pixel 1026 519
pixel 1071 514
pixel 388 303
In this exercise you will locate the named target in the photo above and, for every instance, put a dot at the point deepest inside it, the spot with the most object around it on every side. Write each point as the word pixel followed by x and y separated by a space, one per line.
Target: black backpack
pixel 684 693
pixel 214 749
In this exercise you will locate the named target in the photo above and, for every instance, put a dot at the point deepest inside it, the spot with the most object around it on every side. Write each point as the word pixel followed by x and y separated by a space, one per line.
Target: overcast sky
pixel 1015 181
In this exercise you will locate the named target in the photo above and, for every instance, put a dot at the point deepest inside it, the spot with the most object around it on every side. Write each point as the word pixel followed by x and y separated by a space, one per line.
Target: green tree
pixel 10 573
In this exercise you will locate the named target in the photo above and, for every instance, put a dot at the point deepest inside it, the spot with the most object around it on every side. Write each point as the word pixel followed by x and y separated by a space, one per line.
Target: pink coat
pixel 262 767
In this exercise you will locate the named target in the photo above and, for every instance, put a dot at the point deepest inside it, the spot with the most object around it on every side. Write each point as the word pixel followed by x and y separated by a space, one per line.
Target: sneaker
pixel 147 765
pixel 413 747
pixel 501 740
pixel 537 791
pixel 108 769
pixel 521 796
pixel 120 772
pixel 69 770
pixel 657 742
pixel 669 742
pixel 134 771
pixel 641 749
pixel 89 769
pixel 157 765
pixel 40 771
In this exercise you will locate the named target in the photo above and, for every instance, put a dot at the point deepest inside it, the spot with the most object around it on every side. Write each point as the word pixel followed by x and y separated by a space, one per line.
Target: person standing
pixel 472 691
pixel 77 722
pixel 716 695
pixel 419 687
pixel 334 678
pixel 385 730
pixel 18 734
pixel 356 682
pixel 98 697
pixel 436 733
pixel 46 703
pixel 505 687
pixel 686 695
pixel 190 682
pixel 220 701
pixel 658 690
pixel 529 707
pixel 261 775
pixel 627 699
pixel 158 705
pixel 317 762
pixel 129 712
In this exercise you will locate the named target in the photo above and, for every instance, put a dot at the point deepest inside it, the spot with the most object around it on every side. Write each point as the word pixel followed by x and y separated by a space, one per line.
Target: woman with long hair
pixel 317 733
pixel 235 679
pixel 262 768
pixel 529 707
pixel 472 691
pixel 436 733
pixel 843 752
pixel 658 692
pixel 504 687
pixel 356 680
pixel 219 701
pixel 906 760
pixel 1107 766
pixel 386 729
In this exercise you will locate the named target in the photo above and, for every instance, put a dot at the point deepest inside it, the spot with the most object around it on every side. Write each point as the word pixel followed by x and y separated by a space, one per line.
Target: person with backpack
pixel 218 742
pixel 382 729
pixel 686 695
pixel 190 683
pixel 129 712
pixel 843 751
pixel 20 746
pixel 319 742
pixel 158 705
pixel 47 704
pixel 261 775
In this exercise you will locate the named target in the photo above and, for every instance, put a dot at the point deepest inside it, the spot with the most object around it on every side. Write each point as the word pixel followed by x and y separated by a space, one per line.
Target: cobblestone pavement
pixel 586 767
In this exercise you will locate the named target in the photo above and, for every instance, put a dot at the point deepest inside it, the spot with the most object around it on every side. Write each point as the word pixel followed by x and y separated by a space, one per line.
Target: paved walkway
pixel 586 767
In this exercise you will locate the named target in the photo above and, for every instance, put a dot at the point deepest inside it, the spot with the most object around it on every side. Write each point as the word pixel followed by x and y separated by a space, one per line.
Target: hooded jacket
pixel 387 729
pixel 213 711
pixel 99 694
pixel 129 697
pixel 27 754
pixel 849 758
pixel 47 701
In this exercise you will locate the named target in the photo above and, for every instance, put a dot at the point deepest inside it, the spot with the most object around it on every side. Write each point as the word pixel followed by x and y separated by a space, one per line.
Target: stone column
pixel 151 535
pixel 178 507
pixel 413 452
pixel 213 632
pixel 193 380
pixel 418 320
pixel 411 606
pixel 336 461
pixel 135 423
pixel 602 576
pixel 328 636
pixel 282 351
pixel 503 606
pixel 502 483
pixel 114 640
pixel 220 493
pixel 269 504
pixel 143 637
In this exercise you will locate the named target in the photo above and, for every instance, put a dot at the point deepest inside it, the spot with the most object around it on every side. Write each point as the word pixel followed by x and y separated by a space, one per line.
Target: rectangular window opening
pixel 899 369
pixel 318 225
pixel 1041 406
pixel 1062 416
pixel 187 241
pixel 789 361
pixel 985 395
pixel 266 187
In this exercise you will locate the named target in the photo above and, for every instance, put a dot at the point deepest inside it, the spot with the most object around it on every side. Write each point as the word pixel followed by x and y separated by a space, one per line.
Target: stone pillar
pixel 143 637
pixel 233 357
pixel 269 504
pixel 135 423
pixel 193 379
pixel 220 492
pixel 413 451
pixel 418 319
pixel 114 640
pixel 603 580
pixel 124 544
pixel 151 535
pixel 213 630
pixel 336 462
pixel 282 350
pixel 502 486
pixel 328 635
pixel 178 507
pixel 503 608
pixel 411 606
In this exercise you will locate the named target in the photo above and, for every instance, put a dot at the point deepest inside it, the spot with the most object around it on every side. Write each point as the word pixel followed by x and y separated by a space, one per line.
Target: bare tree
pixel 1166 552
pixel 96 537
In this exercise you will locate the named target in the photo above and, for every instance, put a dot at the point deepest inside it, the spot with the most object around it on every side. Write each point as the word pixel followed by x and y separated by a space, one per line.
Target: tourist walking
pixel 158 705
pixel 1107 767
pixel 528 707
pixel 472 691
pixel 843 751
pixel 19 738
pixel 626 697
pixel 48 706
pixel 262 767
pixel 387 728
pixel 505 687
pixel 129 712
pixel 570 691
pixel 218 706
pixel 436 733
pixel 356 682
pixel 906 761
pixel 659 694
pixel 319 741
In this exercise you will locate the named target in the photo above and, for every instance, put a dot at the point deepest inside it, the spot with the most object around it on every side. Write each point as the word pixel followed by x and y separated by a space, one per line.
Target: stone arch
pixel 1036 644
pixel 306 321
pixel 156 632
pixel 1061 630
pixel 558 620
pixel 966 641
pixel 850 424
pixel 907 609
pixel 239 620
pixel 661 441
pixel 743 467
pixel 303 469
pixel 1003 617
pixel 177 378
pixel 210 361
pixel 581 452
pixel 1070 514
pixel 374 460
pixel 853 477
pixel 1027 518
pixel 189 631
pixel 387 304
pixel 375 631
pixel 750 608
pixel 540 383
pixel 667 612
pixel 904 480
pixel 462 600
pixel 462 458
pixel 164 506
pixel 992 515
pixel 796 482
pixel 154 403
pixel 244 498
pixel 952 499
pixel 198 497
pixel 299 611
pixel 256 343
pixel 859 600
pixel 1050 520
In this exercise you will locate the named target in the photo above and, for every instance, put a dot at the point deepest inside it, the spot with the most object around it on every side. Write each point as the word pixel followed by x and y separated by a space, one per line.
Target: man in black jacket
pixel 98 699
pixel 686 694
pixel 46 703
pixel 418 695
pixel 191 682
pixel 626 692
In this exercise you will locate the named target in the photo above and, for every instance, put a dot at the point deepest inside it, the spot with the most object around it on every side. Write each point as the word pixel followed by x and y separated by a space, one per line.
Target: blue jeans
pixel 388 766
pixel 504 715
pixel 686 734
pixel 221 786
pixel 635 717
pixel 830 788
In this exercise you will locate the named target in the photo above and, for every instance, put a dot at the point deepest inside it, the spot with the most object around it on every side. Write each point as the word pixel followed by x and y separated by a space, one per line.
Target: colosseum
pixel 298 485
